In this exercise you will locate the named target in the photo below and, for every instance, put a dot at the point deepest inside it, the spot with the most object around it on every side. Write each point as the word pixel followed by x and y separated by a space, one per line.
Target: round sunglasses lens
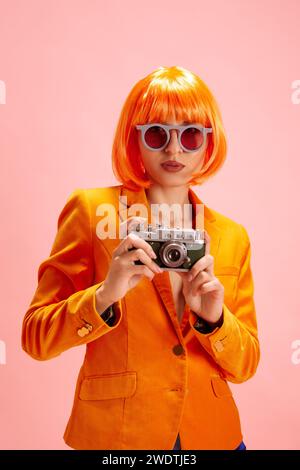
pixel 156 137
pixel 192 138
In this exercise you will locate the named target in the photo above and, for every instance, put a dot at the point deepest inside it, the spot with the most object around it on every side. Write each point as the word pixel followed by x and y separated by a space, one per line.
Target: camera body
pixel 177 249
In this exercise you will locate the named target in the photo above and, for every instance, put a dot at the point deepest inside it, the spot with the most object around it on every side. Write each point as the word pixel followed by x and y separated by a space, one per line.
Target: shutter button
pixel 178 349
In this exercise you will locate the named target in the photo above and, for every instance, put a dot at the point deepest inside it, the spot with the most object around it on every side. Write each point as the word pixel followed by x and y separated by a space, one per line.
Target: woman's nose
pixel 173 145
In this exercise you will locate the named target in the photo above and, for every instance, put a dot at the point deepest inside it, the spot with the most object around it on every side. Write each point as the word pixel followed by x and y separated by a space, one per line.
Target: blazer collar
pixel 161 281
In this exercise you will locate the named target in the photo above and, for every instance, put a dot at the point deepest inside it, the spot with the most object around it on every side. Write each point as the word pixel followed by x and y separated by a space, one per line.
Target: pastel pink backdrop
pixel 68 67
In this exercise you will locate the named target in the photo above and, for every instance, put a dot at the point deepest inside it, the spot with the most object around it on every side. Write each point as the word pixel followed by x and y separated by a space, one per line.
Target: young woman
pixel 161 345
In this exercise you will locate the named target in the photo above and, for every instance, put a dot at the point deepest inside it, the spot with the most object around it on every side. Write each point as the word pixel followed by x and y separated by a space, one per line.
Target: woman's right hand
pixel 123 273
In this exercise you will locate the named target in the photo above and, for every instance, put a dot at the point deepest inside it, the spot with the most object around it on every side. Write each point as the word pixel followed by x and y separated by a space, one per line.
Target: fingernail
pixel 153 255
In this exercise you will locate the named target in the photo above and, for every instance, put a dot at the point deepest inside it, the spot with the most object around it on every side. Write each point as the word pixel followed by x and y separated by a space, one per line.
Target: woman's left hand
pixel 203 293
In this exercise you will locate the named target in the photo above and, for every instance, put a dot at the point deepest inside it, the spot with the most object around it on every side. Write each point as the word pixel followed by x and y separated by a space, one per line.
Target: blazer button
pixel 82 332
pixel 178 349
pixel 219 346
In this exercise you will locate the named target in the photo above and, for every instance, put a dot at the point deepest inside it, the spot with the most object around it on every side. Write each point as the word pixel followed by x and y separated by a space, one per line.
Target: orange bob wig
pixel 165 93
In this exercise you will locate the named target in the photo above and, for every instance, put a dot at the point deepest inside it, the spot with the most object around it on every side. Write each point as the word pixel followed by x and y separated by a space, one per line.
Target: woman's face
pixel 152 161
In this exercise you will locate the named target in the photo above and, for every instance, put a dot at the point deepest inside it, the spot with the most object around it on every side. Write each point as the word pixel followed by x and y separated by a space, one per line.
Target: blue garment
pixel 241 446
pixel 177 445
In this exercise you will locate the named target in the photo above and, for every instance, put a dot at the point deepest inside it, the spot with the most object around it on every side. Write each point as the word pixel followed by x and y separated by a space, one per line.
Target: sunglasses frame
pixel 167 128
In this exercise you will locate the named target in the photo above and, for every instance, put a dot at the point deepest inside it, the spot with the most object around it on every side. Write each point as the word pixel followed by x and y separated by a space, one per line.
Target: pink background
pixel 68 67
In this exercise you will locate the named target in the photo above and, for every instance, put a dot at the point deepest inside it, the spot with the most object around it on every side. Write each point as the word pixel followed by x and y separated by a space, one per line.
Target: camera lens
pixel 173 254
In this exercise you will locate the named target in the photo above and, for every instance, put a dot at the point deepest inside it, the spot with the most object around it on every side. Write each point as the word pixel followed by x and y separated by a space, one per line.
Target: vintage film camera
pixel 177 249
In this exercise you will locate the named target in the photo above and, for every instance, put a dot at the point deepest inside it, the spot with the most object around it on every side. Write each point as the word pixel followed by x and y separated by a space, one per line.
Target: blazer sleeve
pixel 62 313
pixel 234 345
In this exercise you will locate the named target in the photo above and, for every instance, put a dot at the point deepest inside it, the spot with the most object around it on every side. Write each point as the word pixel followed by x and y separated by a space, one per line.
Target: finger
pixel 201 278
pixel 209 287
pixel 137 273
pixel 142 270
pixel 133 241
pixel 139 254
pixel 205 263
pixel 207 242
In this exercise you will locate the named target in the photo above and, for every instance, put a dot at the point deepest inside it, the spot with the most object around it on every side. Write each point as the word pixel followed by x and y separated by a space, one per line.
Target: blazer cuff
pixel 90 317
pixel 215 342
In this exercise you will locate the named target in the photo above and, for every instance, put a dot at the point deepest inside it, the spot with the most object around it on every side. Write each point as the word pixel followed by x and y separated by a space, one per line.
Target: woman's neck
pixel 168 195
pixel 177 195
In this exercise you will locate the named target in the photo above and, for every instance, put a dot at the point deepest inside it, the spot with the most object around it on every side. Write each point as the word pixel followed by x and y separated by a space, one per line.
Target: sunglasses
pixel 156 136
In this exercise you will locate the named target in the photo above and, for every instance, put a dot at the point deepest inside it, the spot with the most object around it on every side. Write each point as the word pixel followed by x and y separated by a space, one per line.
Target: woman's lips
pixel 172 166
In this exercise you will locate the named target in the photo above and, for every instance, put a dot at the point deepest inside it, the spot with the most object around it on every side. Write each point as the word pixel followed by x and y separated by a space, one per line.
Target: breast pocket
pixel 228 276
pixel 105 387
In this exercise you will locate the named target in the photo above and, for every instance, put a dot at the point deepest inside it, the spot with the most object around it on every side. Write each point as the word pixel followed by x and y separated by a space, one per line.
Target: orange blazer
pixel 146 378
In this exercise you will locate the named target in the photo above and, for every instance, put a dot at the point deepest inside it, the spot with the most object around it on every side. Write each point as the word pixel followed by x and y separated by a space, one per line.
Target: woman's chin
pixel 169 181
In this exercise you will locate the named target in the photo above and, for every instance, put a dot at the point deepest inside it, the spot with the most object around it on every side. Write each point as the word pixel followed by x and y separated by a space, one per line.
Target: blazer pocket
pixel 105 387
pixel 220 387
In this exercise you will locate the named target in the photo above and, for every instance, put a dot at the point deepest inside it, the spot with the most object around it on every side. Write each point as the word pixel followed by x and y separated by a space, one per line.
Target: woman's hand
pixel 203 292
pixel 123 273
